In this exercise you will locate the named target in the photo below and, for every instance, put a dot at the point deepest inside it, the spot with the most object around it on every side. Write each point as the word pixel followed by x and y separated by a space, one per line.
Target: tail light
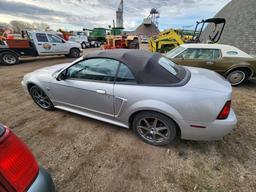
pixel 225 111
pixel 18 167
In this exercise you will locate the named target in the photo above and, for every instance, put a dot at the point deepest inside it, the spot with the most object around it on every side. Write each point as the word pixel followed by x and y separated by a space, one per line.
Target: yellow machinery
pixel 171 38
pixel 165 41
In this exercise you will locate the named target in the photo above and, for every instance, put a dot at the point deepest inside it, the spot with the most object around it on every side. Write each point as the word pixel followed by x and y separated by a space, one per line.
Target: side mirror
pixel 61 76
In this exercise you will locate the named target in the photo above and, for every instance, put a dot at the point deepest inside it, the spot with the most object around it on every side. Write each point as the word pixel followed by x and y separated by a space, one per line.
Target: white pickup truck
pixel 37 44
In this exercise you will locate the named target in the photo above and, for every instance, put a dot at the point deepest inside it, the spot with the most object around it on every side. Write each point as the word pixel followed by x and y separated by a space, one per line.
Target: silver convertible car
pixel 133 88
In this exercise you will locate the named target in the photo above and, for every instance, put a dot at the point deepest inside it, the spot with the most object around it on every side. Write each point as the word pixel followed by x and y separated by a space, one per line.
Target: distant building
pixel 240 29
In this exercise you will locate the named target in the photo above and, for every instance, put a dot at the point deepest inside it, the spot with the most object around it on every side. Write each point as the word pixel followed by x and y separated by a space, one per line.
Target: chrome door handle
pixel 100 91
pixel 209 62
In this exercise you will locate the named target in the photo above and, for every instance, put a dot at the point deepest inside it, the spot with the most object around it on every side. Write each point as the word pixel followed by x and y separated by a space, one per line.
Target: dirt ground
pixel 83 154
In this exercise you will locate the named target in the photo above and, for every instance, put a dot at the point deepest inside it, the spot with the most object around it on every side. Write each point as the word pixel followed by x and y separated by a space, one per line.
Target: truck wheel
pixel 9 58
pixel 83 45
pixel 74 53
pixel 134 44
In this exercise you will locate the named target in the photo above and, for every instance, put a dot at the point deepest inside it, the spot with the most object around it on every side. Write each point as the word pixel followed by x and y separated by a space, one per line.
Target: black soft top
pixel 143 64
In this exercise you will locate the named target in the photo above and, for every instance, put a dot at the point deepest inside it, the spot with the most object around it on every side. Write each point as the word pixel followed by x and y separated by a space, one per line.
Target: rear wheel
pixel 237 76
pixel 74 53
pixel 154 128
pixel 40 98
pixel 9 58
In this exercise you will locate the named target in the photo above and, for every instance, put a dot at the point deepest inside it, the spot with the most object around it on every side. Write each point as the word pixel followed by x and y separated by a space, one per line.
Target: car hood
pixel 207 80
pixel 52 69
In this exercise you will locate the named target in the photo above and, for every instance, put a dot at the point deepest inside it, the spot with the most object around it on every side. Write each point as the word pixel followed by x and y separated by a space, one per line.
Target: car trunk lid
pixel 208 80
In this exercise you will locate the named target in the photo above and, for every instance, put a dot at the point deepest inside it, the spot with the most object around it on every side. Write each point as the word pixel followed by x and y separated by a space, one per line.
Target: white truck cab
pixel 81 39
pixel 51 44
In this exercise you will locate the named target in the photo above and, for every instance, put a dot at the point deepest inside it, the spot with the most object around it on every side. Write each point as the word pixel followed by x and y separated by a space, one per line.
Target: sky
pixel 78 14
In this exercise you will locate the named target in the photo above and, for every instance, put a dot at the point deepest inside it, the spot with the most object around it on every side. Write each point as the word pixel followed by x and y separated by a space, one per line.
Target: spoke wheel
pixel 154 128
pixel 40 98
pixel 236 77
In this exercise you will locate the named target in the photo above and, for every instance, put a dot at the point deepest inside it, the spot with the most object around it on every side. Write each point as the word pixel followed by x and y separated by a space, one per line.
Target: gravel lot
pixel 83 154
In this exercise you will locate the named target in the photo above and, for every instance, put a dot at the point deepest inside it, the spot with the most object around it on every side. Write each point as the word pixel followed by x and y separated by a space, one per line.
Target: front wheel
pixel 74 53
pixel 154 128
pixel 83 45
pixel 9 58
pixel 40 98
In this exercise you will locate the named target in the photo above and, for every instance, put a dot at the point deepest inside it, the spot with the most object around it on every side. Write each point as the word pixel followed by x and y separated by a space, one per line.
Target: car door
pixel 197 57
pixel 58 44
pixel 88 86
pixel 124 85
pixel 44 47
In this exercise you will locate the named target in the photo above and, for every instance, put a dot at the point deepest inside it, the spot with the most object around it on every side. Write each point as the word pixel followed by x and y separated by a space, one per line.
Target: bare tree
pixel 19 26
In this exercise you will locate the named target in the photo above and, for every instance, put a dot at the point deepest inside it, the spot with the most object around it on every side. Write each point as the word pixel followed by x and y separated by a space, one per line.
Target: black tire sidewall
pixel 72 53
pixel 237 70
pixel 51 108
pixel 170 124
pixel 8 53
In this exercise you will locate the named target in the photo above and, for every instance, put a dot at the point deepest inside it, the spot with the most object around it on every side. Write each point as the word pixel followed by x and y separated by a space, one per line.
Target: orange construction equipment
pixel 121 41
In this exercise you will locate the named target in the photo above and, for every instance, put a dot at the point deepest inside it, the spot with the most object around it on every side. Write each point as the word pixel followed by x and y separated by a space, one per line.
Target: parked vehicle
pixel 146 91
pixel 144 40
pixel 19 170
pixel 171 38
pixel 235 65
pixel 37 44
pixel 83 40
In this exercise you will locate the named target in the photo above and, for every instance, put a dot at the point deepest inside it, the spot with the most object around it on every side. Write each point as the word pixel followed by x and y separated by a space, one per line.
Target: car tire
pixel 74 53
pixel 40 98
pixel 237 76
pixel 134 44
pixel 154 128
pixel 9 58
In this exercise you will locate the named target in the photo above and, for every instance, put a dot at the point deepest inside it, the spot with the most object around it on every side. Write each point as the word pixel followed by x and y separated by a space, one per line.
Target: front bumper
pixel 212 131
pixel 24 86
pixel 43 183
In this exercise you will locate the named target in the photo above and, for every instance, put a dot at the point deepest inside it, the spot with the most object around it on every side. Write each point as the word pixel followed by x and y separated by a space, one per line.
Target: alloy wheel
pixel 40 98
pixel 153 130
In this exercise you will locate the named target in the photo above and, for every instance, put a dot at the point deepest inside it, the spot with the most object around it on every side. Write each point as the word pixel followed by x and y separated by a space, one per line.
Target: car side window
pixel 41 37
pixel 207 54
pixel 54 39
pixel 98 69
pixel 125 75
pixel 203 54
pixel 232 52
pixel 188 54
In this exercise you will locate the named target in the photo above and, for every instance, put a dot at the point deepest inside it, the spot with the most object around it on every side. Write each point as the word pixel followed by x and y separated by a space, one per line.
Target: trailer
pixel 35 44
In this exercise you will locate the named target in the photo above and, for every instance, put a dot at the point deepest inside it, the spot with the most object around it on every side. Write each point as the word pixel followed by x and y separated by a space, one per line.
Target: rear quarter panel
pixel 228 63
pixel 179 103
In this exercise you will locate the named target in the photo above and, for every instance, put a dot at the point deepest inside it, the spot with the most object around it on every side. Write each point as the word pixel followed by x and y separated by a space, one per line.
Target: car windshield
pixel 168 65
pixel 174 52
